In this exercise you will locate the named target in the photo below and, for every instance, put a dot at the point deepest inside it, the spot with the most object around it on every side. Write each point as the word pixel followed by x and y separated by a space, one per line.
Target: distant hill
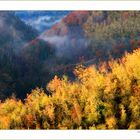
pixel 91 33
pixel 13 32
pixel 41 20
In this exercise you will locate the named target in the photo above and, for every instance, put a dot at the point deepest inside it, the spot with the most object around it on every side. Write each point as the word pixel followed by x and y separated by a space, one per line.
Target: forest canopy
pixel 104 97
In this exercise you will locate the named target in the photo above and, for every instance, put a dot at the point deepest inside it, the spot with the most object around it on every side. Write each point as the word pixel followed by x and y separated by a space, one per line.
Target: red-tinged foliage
pixel 29 119
pixel 59 29
pixel 34 42
pixel 76 18
pixel 125 15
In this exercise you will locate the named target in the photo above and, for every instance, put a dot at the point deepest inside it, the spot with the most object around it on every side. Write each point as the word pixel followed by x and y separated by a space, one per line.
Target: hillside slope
pixel 13 35
pixel 81 37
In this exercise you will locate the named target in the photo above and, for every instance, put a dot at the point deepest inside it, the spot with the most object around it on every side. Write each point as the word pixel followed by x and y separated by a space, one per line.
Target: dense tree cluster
pixel 111 33
pixel 14 34
pixel 103 97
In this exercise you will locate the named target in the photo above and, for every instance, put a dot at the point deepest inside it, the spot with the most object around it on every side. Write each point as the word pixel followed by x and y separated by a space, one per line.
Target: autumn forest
pixel 73 70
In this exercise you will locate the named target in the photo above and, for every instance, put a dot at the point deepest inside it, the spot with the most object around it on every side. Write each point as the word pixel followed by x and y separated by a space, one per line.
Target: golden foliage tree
pixel 105 97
